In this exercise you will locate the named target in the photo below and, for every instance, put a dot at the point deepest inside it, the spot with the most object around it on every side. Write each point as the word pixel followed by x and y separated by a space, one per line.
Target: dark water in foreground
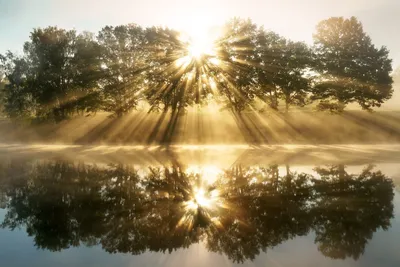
pixel 64 212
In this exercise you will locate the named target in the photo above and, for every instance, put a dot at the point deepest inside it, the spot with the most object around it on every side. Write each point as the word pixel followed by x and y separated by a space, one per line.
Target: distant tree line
pixel 62 73
pixel 123 209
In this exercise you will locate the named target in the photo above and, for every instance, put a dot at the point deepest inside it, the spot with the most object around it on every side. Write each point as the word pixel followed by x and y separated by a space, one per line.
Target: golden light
pixel 195 51
pixel 205 198
pixel 183 62
pixel 205 203
pixel 209 173
pixel 199 48
pixel 215 61
pixel 191 205
pixel 198 57
pixel 201 198
pixel 200 41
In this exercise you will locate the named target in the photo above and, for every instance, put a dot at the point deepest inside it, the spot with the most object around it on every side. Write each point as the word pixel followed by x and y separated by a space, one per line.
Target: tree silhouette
pixel 291 76
pixel 59 203
pixel 245 211
pixel 266 210
pixel 123 63
pixel 62 73
pixel 236 50
pixel 17 99
pixel 87 70
pixel 55 78
pixel 350 209
pixel 49 53
pixel 351 68
pixel 171 83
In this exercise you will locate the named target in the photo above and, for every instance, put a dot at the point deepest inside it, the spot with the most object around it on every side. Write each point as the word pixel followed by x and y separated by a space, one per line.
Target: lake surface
pixel 188 205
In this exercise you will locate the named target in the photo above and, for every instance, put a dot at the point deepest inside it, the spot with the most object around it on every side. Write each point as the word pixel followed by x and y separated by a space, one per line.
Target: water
pixel 199 206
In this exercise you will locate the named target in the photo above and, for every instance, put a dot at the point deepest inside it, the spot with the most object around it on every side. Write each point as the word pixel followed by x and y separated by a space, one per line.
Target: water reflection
pixel 238 212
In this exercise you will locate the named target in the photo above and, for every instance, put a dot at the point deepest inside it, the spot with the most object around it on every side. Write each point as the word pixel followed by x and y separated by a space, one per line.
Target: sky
pixel 295 19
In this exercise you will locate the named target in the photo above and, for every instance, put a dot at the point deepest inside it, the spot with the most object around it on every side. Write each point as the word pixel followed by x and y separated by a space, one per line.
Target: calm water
pixel 238 207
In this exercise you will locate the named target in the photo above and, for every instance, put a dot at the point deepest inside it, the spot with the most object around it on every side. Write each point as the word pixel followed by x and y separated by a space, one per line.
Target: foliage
pixel 62 73
pixel 236 80
pixel 169 85
pixel 122 61
pixel 128 210
pixel 56 76
pixel 351 68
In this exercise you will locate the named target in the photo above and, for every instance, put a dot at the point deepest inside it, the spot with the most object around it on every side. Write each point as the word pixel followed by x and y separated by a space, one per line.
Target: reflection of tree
pixel 165 190
pixel 349 209
pixel 58 203
pixel 122 224
pixel 245 211
pixel 273 209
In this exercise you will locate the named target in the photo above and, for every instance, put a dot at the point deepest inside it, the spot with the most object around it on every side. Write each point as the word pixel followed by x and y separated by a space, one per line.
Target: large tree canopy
pixel 123 60
pixel 351 68
pixel 56 76
pixel 62 73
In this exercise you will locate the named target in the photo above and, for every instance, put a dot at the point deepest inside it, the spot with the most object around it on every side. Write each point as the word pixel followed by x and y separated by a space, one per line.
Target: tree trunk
pixel 287 106
pixel 342 172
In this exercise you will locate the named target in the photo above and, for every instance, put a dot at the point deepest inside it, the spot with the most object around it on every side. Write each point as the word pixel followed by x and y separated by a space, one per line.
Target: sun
pixel 199 42
pixel 199 47
pixel 195 51
pixel 198 57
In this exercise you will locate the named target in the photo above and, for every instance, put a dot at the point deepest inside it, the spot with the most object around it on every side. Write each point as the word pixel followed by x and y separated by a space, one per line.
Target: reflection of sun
pixel 203 199
pixel 208 199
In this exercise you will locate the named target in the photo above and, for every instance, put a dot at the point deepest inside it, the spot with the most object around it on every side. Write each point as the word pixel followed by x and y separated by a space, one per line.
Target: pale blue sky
pixel 293 18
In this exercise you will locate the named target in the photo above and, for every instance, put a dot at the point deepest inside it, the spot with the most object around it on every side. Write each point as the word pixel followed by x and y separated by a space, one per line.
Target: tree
pixel 291 76
pixel 268 52
pixel 2 86
pixel 123 64
pixel 236 79
pixel 2 82
pixel 62 73
pixel 55 78
pixel 281 70
pixel 176 77
pixel 351 69
pixel 261 64
pixel 49 53
pixel 18 100
pixel 86 74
